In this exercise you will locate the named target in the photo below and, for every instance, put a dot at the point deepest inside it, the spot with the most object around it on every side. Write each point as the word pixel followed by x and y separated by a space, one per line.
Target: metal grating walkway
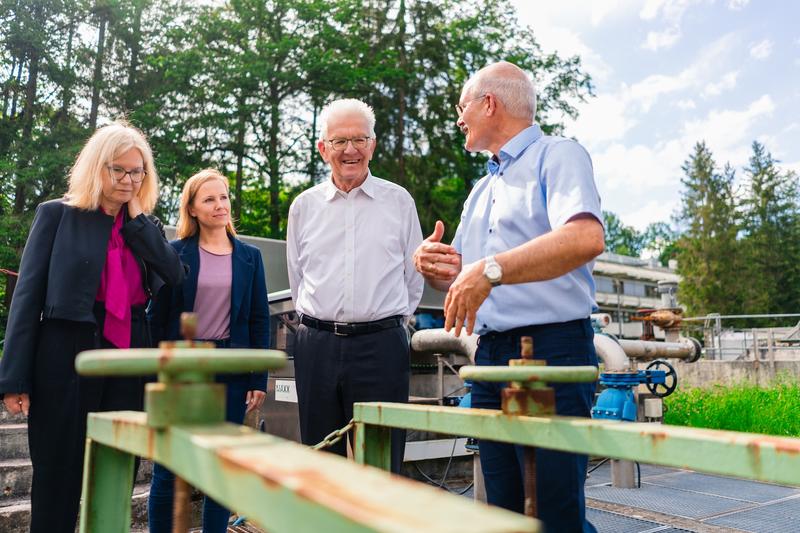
pixel 674 500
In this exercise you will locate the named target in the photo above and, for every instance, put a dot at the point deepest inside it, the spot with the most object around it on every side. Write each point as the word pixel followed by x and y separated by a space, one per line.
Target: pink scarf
pixel 120 288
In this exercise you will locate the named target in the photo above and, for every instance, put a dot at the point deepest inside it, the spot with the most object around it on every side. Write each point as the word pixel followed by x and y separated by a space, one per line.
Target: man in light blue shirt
pixel 521 265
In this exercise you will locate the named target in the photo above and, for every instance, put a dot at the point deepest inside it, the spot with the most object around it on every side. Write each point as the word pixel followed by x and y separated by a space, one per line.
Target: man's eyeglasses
pixel 358 143
pixel 461 108
pixel 119 173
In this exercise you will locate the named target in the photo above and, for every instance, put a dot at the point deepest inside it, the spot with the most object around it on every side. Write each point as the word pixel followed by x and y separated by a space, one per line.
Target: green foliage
pixel 658 239
pixel 742 407
pixel 621 239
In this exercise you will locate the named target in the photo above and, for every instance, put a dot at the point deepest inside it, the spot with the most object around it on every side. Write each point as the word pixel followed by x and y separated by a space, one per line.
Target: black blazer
pixel 249 325
pixel 60 273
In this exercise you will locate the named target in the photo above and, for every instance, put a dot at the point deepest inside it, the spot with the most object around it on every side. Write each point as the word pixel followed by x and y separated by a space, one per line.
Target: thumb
pixel 438 232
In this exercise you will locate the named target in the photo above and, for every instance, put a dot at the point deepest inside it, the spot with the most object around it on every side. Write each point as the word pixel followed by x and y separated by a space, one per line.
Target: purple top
pixel 212 303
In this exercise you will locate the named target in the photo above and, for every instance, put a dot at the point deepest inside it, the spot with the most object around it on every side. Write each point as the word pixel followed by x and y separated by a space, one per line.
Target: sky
pixel 670 73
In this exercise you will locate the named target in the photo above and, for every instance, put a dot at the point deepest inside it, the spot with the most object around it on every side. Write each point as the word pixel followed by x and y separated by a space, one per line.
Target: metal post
pixel 181 512
pixel 107 482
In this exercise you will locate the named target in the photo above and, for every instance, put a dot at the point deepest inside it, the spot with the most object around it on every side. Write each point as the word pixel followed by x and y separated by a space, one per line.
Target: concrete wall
pixel 706 373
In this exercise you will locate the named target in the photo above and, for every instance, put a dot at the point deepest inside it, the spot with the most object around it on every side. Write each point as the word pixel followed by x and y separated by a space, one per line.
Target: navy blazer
pixel 249 325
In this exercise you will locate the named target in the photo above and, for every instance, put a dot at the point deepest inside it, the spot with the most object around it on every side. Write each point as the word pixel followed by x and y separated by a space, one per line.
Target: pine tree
pixel 708 249
pixel 770 247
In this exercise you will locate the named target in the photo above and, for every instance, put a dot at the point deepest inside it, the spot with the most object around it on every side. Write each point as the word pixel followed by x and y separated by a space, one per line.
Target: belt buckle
pixel 336 329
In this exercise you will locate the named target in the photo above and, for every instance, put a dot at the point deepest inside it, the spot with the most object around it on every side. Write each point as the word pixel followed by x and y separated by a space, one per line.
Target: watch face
pixel 493 272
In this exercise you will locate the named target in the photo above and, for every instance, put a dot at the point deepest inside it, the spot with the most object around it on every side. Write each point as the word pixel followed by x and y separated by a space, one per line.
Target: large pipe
pixel 611 353
pixel 437 340
pixel 685 348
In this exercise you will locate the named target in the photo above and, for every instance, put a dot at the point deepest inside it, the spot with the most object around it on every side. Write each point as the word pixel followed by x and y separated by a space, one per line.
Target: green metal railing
pixel 743 455
pixel 279 485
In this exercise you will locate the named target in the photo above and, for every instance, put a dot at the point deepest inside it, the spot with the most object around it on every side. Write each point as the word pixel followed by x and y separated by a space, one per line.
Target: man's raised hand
pixel 435 260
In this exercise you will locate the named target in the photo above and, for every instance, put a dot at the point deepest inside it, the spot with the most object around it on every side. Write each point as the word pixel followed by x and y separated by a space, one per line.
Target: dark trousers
pixel 560 476
pixel 60 401
pixel 162 486
pixel 332 372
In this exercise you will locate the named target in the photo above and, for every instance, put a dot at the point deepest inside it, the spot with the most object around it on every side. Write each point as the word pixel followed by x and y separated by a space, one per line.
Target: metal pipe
pixel 611 353
pixel 437 340
pixel 523 374
pixel 686 348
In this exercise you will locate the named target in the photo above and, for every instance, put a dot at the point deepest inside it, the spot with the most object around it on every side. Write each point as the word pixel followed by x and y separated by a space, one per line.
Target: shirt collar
pixel 513 148
pixel 519 142
pixel 368 187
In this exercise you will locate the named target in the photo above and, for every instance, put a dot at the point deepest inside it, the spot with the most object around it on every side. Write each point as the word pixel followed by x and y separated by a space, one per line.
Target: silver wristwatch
pixel 493 271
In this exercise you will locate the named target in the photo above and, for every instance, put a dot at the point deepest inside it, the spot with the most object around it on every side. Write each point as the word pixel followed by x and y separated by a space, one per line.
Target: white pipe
pixel 611 353
pixel 437 340
pixel 685 348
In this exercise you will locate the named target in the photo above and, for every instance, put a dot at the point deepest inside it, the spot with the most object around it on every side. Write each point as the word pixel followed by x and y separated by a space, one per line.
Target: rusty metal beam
pixel 285 487
pixel 729 453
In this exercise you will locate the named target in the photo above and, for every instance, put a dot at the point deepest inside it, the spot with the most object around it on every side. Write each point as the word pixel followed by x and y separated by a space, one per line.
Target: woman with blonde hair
pixel 227 289
pixel 91 263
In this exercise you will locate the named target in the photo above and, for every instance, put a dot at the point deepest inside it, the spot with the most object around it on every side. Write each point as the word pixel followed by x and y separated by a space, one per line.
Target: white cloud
pixel 726 83
pixel 737 5
pixel 652 211
pixel 656 40
pixel 636 172
pixel 602 119
pixel 728 133
pixel 761 50
pixel 686 104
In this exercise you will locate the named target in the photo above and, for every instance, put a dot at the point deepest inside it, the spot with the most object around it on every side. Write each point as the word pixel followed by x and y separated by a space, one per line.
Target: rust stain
pixel 314 486
pixel 790 446
pixel 166 353
pixel 656 437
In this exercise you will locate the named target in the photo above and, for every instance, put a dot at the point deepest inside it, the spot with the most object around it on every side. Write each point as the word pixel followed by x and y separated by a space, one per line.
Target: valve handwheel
pixel 662 390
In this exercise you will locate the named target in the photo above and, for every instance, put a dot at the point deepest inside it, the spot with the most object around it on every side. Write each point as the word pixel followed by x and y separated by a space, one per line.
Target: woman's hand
pixel 254 399
pixel 19 403
pixel 134 207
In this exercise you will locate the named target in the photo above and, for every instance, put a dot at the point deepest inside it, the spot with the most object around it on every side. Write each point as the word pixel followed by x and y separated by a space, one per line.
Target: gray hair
pixel 509 84
pixel 345 106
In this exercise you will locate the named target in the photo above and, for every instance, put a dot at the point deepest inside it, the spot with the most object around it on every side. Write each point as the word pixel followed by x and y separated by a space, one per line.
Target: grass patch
pixel 743 407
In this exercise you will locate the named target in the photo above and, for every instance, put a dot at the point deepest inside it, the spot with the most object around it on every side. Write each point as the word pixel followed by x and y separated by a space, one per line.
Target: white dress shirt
pixel 350 255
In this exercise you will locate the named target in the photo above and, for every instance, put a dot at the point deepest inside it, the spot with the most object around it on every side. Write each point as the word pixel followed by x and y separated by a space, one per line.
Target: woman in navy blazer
pixel 227 289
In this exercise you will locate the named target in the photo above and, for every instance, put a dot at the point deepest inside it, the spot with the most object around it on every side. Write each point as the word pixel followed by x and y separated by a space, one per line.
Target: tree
pixel 621 239
pixel 708 251
pixel 771 245
pixel 661 239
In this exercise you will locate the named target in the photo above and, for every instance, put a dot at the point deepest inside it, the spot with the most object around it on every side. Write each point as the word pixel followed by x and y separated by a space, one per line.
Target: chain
pixel 334 437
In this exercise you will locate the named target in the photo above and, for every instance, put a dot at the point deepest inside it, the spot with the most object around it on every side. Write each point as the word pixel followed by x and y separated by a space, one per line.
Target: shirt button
pixel 490 230
pixel 501 173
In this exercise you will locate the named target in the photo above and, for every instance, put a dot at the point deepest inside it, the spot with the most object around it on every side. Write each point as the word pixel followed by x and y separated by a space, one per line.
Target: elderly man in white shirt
pixel 350 246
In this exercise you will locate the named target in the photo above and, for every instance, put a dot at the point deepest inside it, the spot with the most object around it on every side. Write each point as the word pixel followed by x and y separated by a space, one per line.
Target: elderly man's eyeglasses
pixel 358 143
pixel 119 173
pixel 461 108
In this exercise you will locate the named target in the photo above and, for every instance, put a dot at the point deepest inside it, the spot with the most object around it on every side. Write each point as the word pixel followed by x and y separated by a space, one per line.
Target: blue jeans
pixel 162 485
pixel 560 476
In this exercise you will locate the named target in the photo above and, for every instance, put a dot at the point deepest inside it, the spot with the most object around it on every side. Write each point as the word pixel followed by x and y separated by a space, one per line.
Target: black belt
pixel 346 329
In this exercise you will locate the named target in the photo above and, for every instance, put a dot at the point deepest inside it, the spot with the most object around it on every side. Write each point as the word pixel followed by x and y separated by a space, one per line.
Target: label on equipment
pixel 285 391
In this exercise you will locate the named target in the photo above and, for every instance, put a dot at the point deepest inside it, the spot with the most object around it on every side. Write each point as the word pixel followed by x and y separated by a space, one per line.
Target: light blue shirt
pixel 538 185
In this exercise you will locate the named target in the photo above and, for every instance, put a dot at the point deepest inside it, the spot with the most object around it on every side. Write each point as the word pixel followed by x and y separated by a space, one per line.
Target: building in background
pixel 626 284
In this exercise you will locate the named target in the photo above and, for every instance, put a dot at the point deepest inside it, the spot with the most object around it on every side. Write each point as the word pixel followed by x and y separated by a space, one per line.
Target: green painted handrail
pixel 146 361
pixel 524 373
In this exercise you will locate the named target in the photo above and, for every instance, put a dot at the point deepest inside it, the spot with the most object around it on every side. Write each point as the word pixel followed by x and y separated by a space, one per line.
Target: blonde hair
pixel 187 224
pixel 105 145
